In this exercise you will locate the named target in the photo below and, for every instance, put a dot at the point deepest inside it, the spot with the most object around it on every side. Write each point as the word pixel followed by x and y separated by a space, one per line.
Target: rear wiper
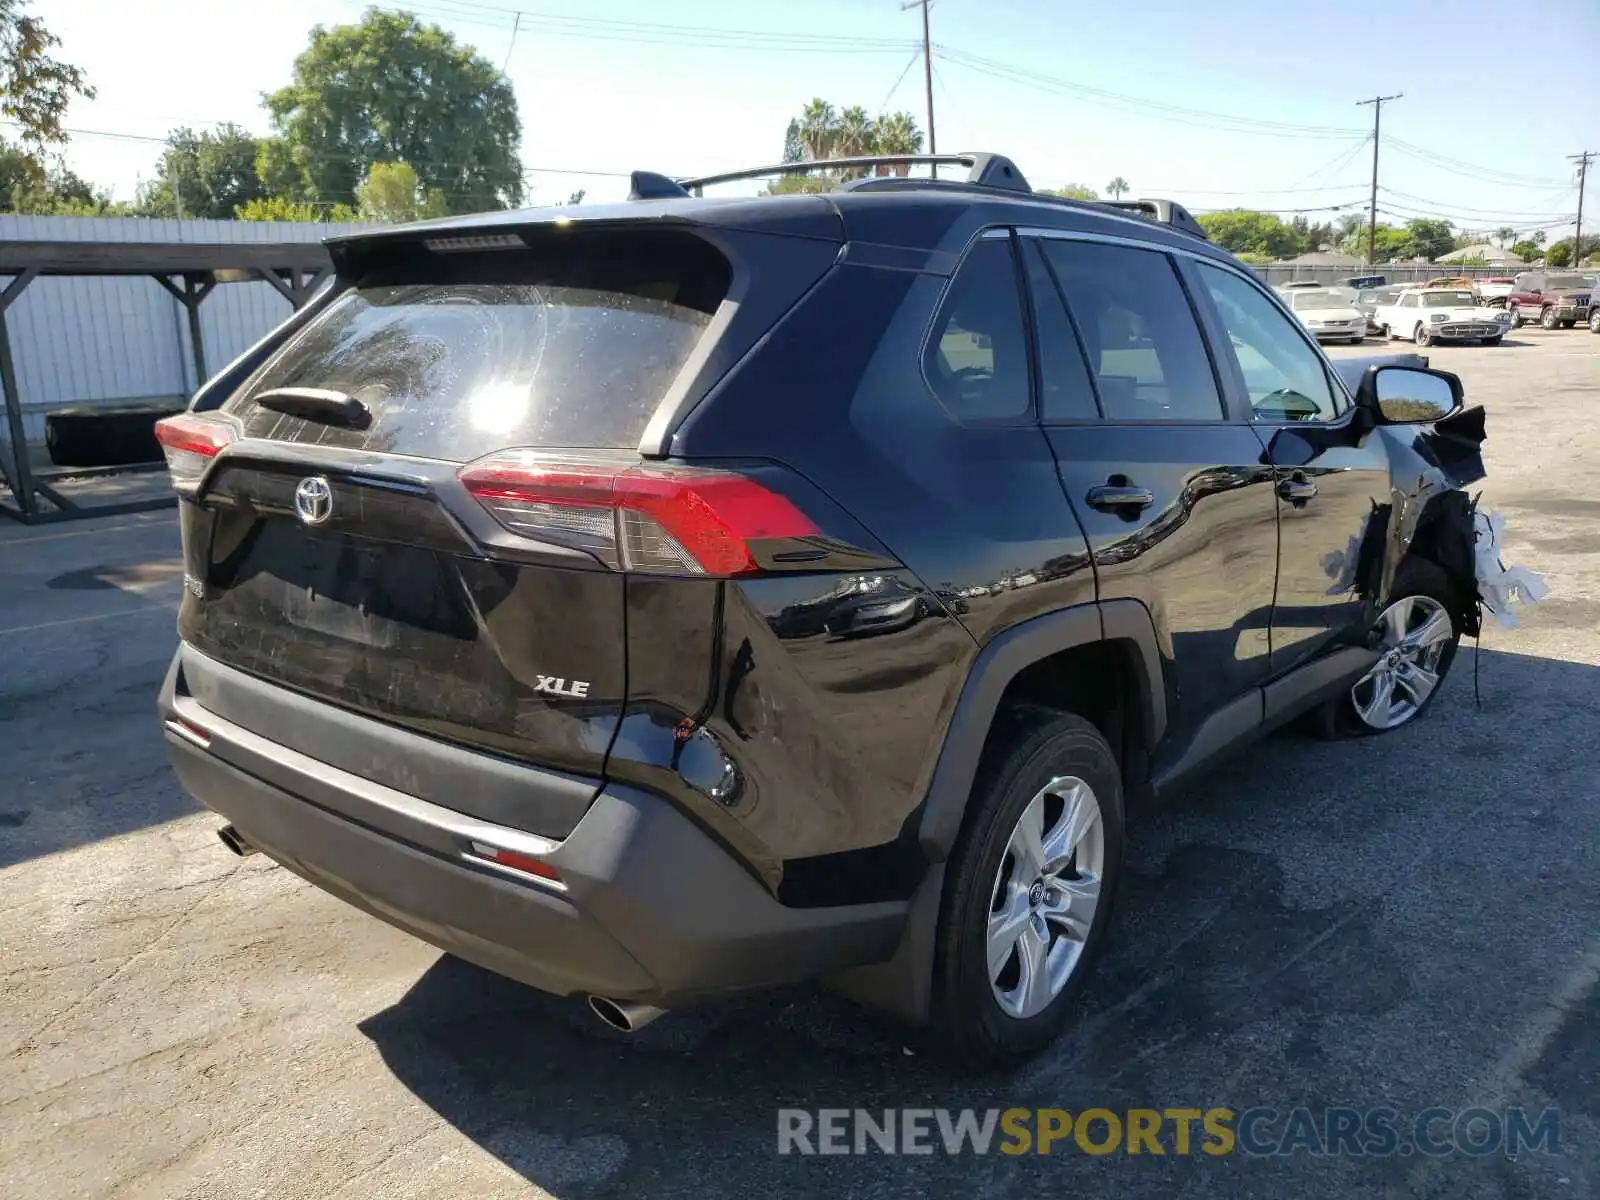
pixel 316 404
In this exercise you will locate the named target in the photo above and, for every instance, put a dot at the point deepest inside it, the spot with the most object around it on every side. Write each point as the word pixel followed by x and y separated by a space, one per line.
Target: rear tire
pixel 1422 594
pixel 998 1001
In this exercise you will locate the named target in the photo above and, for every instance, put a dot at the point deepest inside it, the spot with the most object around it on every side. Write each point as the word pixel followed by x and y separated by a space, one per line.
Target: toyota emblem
pixel 313 500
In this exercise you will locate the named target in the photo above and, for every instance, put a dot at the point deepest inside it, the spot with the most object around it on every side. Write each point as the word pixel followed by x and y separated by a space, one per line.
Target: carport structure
pixel 188 270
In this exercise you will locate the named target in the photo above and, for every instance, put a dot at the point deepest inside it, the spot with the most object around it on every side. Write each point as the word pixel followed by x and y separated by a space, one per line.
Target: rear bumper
pixel 650 908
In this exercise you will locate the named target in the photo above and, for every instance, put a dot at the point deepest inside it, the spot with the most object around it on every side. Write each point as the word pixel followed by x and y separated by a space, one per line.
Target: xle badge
pixel 550 685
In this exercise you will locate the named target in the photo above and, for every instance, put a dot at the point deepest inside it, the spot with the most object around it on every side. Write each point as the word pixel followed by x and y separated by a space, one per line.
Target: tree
pixel 1243 230
pixel 1072 191
pixel 392 89
pixel 1429 238
pixel 1559 254
pixel 898 133
pixel 1348 224
pixel 793 149
pixel 281 208
pixel 1506 234
pixel 30 185
pixel 392 194
pixel 819 126
pixel 1528 250
pixel 209 174
pixel 577 196
pixel 1118 187
pixel 35 88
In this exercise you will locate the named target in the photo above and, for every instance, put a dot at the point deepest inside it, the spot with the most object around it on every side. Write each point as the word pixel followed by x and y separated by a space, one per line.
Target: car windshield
pixel 1304 300
pixel 1448 300
pixel 1566 281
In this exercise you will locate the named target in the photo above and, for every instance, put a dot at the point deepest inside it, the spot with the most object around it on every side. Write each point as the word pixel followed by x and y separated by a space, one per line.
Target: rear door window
pixel 461 355
pixel 977 359
pixel 1139 332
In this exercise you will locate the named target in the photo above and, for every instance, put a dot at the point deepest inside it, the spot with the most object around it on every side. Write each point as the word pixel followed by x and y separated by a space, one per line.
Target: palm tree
pixel 819 128
pixel 1507 235
pixel 855 135
pixel 1117 187
pixel 897 133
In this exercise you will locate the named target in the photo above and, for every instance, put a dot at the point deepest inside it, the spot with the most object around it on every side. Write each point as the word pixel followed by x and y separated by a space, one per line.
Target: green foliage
pixel 802 185
pixel 35 88
pixel 1073 191
pixel 1244 231
pixel 1472 260
pixel 793 150
pixel 819 125
pixel 30 185
pixel 281 208
pixel 1429 238
pixel 392 194
pixel 1528 250
pixel 1254 258
pixel 1118 187
pixel 392 89
pixel 1562 253
pixel 209 174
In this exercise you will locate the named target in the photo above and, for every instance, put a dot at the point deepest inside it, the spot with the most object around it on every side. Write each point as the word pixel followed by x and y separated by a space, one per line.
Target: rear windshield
pixel 460 355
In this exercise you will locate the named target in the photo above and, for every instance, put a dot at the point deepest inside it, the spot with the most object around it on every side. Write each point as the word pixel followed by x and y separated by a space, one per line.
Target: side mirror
pixel 1409 395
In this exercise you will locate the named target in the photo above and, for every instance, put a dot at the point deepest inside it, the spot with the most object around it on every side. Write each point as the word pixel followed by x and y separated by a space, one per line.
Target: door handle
pixel 1124 499
pixel 1296 491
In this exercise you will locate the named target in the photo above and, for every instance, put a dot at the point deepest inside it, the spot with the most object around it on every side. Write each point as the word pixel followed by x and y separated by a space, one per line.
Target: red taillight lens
pixel 672 520
pixel 516 860
pixel 190 441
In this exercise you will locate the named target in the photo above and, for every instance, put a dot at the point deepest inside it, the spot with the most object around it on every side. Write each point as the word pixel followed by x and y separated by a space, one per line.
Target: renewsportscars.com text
pixel 1259 1131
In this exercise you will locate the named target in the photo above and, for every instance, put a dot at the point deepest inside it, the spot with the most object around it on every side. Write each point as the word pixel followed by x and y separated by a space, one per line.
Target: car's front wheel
pixel 1421 336
pixel 1029 888
pixel 1416 637
pixel 1547 319
pixel 1594 320
pixel 1516 319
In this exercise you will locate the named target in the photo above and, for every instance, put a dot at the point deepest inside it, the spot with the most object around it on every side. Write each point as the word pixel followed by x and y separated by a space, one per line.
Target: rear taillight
pixel 190 441
pixel 657 518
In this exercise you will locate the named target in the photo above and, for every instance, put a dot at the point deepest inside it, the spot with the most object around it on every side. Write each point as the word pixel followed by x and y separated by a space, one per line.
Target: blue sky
pixel 601 95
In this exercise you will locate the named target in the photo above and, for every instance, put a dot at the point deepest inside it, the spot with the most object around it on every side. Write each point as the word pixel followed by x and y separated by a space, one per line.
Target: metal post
pixel 1377 103
pixel 20 476
pixel 191 301
pixel 927 76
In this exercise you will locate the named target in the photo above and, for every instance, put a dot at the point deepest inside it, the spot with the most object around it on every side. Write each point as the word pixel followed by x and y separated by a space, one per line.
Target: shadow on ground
pixel 1295 930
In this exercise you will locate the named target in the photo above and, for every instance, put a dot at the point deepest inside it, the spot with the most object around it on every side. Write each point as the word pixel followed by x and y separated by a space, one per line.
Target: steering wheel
pixel 1287 404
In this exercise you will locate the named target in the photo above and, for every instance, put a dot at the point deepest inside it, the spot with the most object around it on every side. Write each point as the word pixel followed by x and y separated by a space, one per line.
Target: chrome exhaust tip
pixel 236 841
pixel 624 1015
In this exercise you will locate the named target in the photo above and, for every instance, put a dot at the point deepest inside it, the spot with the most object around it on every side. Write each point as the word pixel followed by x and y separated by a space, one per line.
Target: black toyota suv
pixel 654 601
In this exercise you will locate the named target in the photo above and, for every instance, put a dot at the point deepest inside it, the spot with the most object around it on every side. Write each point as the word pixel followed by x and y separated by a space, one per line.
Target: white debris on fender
pixel 1499 586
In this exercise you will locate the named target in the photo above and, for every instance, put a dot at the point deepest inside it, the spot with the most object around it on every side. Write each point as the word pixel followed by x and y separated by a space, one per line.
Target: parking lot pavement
pixel 1406 922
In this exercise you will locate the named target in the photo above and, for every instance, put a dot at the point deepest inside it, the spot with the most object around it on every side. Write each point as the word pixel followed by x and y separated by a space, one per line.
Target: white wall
pixel 103 339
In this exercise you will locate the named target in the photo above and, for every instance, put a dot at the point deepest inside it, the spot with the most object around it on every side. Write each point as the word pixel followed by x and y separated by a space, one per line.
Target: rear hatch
pixel 407 510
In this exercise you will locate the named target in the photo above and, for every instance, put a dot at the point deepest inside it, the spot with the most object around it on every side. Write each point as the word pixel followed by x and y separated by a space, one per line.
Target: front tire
pixel 1547 319
pixel 1418 634
pixel 1594 320
pixel 1421 336
pixel 1029 889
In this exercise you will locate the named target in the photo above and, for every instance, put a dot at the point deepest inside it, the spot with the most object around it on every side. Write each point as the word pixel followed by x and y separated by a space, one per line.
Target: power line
pixel 906 70
pixel 1457 166
pixel 1161 110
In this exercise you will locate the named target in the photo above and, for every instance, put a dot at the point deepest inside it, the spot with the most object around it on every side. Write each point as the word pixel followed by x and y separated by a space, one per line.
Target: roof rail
pixel 989 170
pixel 1167 212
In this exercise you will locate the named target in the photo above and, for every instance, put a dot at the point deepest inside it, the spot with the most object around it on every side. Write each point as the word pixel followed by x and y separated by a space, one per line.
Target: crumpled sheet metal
pixel 1500 587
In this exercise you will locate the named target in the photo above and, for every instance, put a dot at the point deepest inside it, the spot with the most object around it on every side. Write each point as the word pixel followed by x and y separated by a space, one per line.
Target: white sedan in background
pixel 1427 315
pixel 1328 313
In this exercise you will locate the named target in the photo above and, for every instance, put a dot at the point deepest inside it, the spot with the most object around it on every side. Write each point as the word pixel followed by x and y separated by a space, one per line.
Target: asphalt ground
pixel 1406 923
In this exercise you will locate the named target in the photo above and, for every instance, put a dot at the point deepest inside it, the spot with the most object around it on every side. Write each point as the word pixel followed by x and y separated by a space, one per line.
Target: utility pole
pixel 1583 173
pixel 1377 103
pixel 927 72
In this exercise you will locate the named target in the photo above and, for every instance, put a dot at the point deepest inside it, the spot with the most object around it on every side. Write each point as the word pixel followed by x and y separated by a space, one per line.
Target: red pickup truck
pixel 1550 298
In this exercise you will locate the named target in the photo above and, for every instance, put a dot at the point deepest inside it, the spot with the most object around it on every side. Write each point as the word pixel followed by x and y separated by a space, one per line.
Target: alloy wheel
pixel 1413 633
pixel 1046 893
